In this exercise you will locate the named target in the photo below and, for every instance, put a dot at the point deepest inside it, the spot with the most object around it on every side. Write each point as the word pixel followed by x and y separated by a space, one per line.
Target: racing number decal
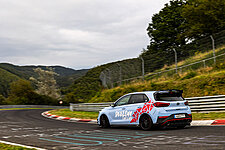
pixel 145 109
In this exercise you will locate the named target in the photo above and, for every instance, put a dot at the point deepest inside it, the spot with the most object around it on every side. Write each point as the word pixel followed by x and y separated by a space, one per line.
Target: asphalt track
pixel 28 127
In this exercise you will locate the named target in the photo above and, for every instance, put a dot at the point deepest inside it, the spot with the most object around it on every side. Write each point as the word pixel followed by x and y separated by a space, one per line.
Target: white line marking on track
pixel 10 143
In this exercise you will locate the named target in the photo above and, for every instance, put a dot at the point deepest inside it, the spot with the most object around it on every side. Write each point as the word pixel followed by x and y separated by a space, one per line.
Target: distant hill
pixel 86 87
pixel 10 72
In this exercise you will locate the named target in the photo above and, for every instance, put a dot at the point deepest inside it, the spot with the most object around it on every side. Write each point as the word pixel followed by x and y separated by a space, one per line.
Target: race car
pixel 148 109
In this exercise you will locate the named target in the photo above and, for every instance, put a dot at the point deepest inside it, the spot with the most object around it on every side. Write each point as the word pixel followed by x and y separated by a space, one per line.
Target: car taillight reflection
pixel 160 104
pixel 186 103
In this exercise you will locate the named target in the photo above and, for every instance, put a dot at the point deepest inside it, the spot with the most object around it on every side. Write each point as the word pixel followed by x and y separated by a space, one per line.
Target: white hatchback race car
pixel 146 109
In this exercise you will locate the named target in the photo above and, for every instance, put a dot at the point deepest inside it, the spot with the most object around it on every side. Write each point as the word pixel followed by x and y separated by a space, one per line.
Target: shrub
pixel 22 93
pixel 2 99
pixel 189 75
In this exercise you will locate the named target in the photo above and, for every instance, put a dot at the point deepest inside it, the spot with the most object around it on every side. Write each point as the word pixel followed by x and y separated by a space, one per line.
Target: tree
pixel 203 17
pixel 20 91
pixel 164 32
pixel 20 88
pixel 166 26
pixel 46 83
pixel 2 99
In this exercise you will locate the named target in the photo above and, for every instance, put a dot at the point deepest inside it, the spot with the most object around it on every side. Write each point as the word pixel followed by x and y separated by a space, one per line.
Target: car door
pixel 136 102
pixel 118 112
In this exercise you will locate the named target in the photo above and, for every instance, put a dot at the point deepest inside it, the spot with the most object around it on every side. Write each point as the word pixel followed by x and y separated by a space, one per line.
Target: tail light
pixel 160 104
pixel 186 103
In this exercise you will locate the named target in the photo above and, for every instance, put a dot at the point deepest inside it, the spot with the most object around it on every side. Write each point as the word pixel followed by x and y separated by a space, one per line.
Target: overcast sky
pixel 74 33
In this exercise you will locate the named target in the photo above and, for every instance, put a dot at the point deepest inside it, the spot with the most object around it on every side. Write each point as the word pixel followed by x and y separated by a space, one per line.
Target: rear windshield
pixel 168 97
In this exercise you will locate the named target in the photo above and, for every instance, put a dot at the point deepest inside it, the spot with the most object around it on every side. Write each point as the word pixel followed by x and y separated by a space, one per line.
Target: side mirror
pixel 113 105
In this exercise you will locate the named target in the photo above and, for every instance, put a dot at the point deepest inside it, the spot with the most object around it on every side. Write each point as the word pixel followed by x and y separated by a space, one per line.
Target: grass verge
pixel 94 115
pixel 74 114
pixel 11 147
pixel 208 116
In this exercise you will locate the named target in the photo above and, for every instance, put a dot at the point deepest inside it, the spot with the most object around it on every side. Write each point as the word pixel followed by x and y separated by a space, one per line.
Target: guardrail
pixel 197 104
pixel 89 106
pixel 207 103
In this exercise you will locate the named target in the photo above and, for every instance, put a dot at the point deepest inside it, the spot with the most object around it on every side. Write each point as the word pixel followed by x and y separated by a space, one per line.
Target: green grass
pixel 208 116
pixel 94 115
pixel 74 114
pixel 11 147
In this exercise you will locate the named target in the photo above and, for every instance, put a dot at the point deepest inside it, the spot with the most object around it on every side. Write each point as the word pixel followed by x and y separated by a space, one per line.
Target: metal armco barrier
pixel 89 106
pixel 207 103
pixel 197 104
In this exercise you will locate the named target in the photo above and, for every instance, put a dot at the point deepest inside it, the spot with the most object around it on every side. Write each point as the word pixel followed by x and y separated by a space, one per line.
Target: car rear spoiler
pixel 169 92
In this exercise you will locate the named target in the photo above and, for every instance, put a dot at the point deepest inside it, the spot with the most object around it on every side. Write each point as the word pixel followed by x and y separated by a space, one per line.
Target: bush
pixel 22 93
pixel 189 75
pixel 2 100
pixel 220 66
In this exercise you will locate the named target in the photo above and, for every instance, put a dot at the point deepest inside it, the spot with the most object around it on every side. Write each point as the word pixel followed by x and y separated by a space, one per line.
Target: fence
pixel 117 72
pixel 197 104
pixel 126 71
pixel 192 66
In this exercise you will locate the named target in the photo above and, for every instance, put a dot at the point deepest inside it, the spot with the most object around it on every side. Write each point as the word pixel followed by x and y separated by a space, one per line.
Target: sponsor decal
pixel 124 114
pixel 145 109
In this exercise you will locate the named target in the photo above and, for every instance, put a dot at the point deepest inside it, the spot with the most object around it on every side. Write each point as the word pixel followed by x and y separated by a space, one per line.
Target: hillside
pixel 204 82
pixel 89 88
pixel 5 79
pixel 86 87
pixel 196 80
pixel 10 72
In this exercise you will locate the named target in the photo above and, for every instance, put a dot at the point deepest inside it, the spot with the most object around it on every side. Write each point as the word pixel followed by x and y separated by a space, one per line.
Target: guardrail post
pixel 143 68
pixel 71 107
pixel 175 58
pixel 213 46
pixel 204 63
pixel 120 72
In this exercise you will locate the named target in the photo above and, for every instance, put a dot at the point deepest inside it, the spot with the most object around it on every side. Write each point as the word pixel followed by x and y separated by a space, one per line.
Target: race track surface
pixel 28 127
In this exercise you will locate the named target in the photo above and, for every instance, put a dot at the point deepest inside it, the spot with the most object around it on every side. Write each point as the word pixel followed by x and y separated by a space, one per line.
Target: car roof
pixel 145 92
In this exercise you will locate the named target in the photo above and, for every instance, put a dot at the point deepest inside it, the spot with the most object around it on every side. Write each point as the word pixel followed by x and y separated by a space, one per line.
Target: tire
pixel 145 122
pixel 104 121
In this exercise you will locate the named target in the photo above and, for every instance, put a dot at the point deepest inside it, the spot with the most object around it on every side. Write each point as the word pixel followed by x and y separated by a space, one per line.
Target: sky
pixel 78 34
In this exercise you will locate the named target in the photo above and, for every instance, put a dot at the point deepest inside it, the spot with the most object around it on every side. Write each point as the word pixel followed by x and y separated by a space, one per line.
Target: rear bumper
pixel 171 121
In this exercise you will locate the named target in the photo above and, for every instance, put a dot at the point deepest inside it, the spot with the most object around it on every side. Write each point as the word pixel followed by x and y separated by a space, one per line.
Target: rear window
pixel 168 96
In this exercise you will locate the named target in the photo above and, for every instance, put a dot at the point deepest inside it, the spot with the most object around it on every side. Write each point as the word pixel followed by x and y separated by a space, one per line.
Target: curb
pixel 48 115
pixel 207 122
pixel 193 123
